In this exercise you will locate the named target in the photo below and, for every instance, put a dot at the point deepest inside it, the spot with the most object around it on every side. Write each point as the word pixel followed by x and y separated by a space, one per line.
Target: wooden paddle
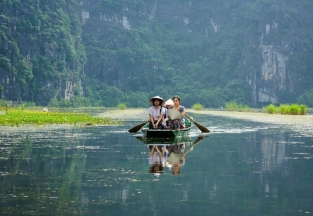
pixel 201 127
pixel 137 127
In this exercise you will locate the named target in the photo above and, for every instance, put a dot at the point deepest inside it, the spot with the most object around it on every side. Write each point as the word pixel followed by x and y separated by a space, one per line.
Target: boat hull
pixel 165 133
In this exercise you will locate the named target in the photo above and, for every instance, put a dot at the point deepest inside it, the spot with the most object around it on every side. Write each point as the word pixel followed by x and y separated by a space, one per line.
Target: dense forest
pixel 106 52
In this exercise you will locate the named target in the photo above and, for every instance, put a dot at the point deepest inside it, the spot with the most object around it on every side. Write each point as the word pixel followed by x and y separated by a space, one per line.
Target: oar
pixel 201 127
pixel 137 127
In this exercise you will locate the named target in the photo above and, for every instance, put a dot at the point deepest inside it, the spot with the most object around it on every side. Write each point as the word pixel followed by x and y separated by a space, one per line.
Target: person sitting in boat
pixel 166 118
pixel 177 123
pixel 156 113
pixel 157 158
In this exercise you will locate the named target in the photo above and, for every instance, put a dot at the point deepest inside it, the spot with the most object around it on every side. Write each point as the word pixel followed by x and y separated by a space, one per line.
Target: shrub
pixel 293 109
pixel 230 106
pixel 303 109
pixel 284 109
pixel 270 109
pixel 53 103
pixel 121 106
pixel 197 106
pixel 244 108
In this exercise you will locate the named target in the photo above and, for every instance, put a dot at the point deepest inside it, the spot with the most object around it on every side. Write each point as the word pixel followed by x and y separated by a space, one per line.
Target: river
pixel 241 168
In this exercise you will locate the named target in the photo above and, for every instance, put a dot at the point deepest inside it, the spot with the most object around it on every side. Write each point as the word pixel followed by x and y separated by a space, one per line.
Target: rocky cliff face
pixel 265 43
pixel 271 76
pixel 40 57
pixel 269 35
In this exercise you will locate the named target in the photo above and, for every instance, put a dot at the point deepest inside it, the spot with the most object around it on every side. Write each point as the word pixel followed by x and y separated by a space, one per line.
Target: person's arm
pixel 152 120
pixel 183 111
pixel 159 120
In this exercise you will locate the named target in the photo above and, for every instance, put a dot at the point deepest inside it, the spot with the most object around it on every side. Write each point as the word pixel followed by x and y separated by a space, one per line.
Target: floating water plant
pixel 17 117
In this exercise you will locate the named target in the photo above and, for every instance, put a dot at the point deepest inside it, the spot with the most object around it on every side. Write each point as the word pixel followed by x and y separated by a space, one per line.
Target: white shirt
pixel 156 112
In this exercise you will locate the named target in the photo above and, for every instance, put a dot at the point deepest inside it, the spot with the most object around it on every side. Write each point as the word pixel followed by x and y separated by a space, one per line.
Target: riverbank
pixel 293 121
pixel 141 113
pixel 301 120
pixel 300 123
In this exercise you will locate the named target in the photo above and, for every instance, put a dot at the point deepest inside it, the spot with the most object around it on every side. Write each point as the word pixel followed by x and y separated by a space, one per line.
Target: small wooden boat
pixel 145 129
pixel 166 133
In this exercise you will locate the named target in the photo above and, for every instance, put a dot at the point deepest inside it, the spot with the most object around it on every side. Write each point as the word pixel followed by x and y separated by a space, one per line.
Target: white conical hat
pixel 169 102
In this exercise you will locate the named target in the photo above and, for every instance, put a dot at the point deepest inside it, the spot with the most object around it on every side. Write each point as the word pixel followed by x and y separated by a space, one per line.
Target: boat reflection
pixel 170 153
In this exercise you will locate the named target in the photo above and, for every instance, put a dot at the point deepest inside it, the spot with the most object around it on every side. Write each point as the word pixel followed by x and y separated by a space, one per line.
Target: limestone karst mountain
pixel 101 53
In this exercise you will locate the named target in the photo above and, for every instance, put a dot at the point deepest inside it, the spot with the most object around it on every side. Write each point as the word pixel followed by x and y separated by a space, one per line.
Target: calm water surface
pixel 242 168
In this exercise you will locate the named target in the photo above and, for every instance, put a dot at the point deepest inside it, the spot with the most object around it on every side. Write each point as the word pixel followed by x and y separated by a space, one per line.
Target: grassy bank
pixel 17 117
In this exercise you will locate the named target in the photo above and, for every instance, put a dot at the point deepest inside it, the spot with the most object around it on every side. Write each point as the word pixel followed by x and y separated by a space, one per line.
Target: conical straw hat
pixel 169 102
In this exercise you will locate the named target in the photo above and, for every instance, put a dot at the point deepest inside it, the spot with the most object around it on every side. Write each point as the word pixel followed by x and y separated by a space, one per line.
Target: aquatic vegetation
pixel 271 109
pixel 287 109
pixel 17 117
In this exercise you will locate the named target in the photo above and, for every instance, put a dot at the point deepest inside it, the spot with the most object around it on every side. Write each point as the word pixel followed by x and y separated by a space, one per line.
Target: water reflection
pixel 170 153
pixel 105 171
pixel 39 176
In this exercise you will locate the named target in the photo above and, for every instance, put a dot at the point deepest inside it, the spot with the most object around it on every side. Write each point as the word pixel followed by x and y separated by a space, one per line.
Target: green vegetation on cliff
pixel 41 47
pixel 103 53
